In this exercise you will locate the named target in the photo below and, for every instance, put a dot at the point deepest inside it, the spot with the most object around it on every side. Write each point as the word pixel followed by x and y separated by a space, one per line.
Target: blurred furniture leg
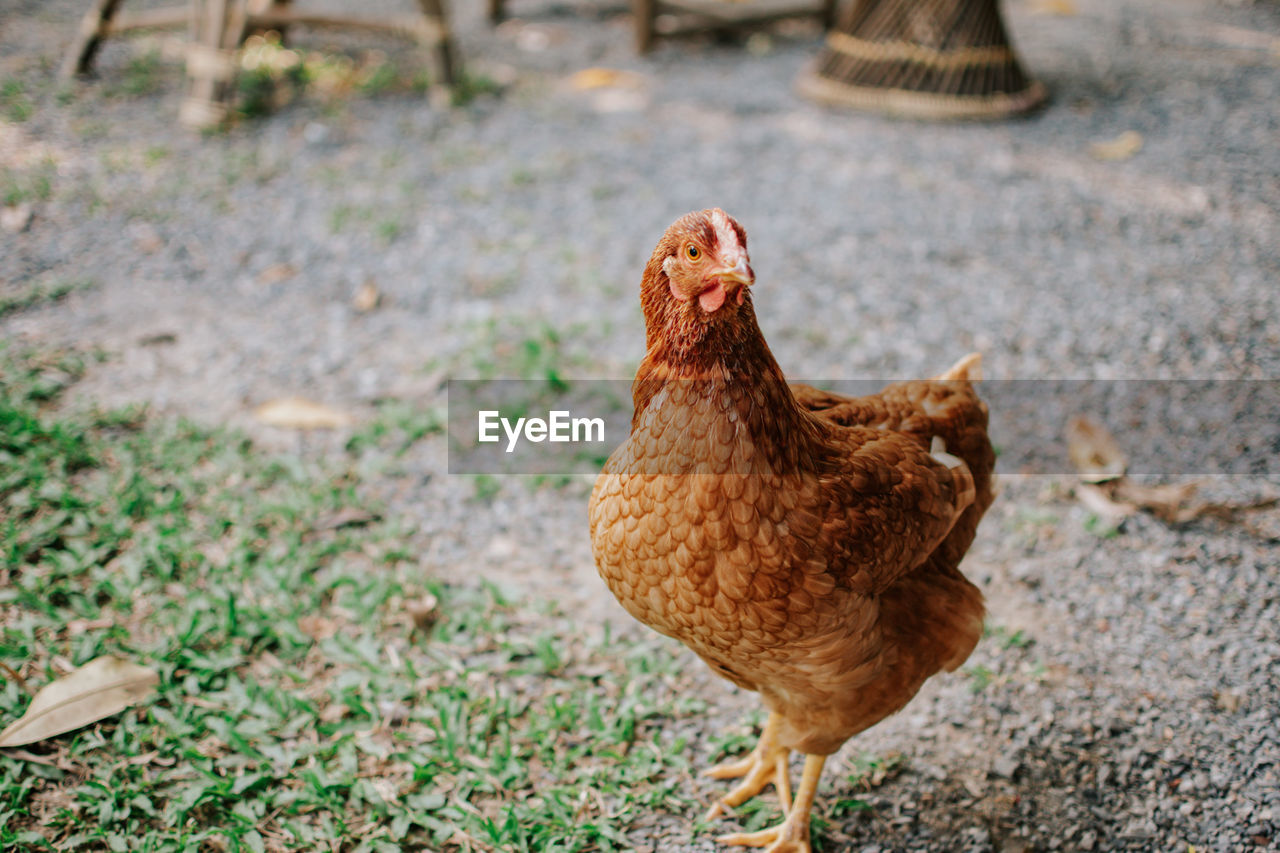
pixel 435 36
pixel 211 62
pixel 927 59
pixel 667 18
pixel 217 28
pixel 102 21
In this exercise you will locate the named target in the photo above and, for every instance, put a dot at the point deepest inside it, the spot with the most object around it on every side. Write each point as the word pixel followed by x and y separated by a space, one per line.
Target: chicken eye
pixel 693 252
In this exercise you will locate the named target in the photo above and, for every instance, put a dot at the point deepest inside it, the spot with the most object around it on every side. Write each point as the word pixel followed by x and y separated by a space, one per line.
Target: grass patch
pixel 299 708
pixel 33 183
pixel 39 293
pixel 143 75
pixel 15 103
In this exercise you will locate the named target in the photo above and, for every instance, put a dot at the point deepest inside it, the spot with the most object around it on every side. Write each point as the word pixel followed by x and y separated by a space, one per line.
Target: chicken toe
pixel 766 764
pixel 792 835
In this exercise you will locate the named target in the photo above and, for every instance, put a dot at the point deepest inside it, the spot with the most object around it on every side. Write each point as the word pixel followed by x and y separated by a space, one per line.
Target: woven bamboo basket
pixel 927 59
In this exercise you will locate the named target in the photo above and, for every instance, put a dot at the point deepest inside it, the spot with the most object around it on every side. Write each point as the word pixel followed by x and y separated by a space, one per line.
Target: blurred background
pixel 309 275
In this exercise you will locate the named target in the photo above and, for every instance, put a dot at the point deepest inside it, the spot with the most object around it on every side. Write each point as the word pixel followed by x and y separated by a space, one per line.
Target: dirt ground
pixel 1127 695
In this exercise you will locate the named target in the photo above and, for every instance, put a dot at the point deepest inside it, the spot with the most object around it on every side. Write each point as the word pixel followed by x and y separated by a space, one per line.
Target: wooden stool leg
pixel 220 28
pixel 82 51
pixel 645 11
pixel 828 15
pixel 443 63
pixel 270 7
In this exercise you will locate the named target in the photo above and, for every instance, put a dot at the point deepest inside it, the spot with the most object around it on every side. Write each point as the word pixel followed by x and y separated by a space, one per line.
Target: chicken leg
pixel 766 763
pixel 792 835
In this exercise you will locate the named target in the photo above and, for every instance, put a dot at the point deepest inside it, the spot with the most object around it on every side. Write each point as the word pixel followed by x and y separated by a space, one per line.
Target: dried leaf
pixel 277 273
pixel 300 413
pixel 1122 147
pixel 604 78
pixel 1098 502
pixel 317 627
pixel 366 297
pixel 346 517
pixel 1093 451
pixel 1173 503
pixel 1061 8
pixel 1169 502
pixel 424 612
pixel 102 687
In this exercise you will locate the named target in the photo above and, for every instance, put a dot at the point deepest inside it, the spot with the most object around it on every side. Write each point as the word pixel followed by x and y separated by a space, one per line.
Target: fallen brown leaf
pixel 300 413
pixel 317 627
pixel 604 78
pixel 424 612
pixel 1173 503
pixel 101 688
pixel 1093 451
pixel 366 297
pixel 1122 147
pixel 277 273
pixel 1169 502
pixel 1061 8
pixel 346 517
pixel 1100 503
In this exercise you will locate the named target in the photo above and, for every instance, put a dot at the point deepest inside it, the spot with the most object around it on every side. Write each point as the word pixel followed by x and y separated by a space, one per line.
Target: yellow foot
pixel 766 764
pixel 784 838
pixel 792 835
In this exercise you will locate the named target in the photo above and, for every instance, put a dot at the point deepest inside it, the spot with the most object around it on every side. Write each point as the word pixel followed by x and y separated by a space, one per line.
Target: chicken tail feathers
pixel 969 367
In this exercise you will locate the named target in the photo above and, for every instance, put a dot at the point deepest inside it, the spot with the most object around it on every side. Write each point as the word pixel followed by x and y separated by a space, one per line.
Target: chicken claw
pixel 771 837
pixel 766 763
pixel 792 835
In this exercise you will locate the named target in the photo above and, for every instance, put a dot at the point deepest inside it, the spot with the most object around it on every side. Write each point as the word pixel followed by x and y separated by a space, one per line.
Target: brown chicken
pixel 803 544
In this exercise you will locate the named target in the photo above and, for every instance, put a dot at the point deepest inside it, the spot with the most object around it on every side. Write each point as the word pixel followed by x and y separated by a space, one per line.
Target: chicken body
pixel 803 544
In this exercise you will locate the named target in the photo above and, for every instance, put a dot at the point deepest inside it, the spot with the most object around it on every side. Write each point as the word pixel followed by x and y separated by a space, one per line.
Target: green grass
pixel 39 293
pixel 29 183
pixel 298 707
pixel 16 105
pixel 143 75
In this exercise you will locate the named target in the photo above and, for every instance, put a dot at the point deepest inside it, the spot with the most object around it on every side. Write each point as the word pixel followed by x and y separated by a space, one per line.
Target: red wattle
pixel 712 299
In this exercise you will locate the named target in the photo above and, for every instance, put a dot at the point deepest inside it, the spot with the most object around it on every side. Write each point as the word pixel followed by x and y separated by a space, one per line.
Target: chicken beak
pixel 724 283
pixel 736 279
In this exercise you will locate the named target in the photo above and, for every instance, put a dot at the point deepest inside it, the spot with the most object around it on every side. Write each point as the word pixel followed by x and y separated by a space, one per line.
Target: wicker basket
pixel 927 59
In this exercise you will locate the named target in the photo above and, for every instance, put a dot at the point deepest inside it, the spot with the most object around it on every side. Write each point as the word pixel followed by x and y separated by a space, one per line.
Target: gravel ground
pixel 1137 707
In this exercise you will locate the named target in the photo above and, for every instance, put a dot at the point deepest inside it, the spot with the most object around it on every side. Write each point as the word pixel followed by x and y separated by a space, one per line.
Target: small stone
pixel 16 219
pixel 1005 766
pixel 933 771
